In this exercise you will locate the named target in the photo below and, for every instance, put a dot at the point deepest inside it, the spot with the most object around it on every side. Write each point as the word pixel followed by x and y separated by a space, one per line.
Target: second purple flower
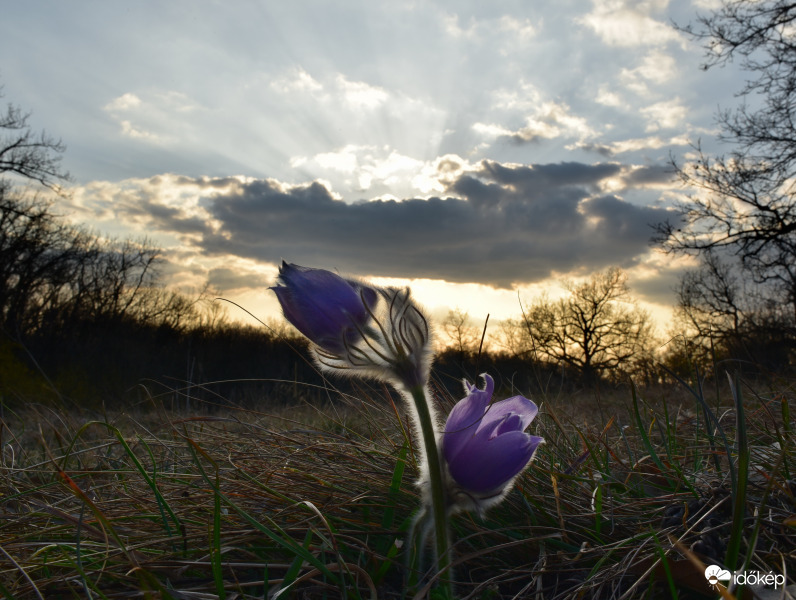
pixel 485 445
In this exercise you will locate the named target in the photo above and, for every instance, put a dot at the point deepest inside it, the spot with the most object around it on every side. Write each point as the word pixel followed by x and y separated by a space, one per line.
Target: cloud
pixel 130 130
pixel 124 102
pixel 158 119
pixel 496 224
pixel 338 94
pixel 608 97
pixel 664 115
pixel 650 176
pixel 610 149
pixel 506 30
pixel 660 286
pixel 502 224
pixel 629 23
pixel 365 166
pixel 328 123
pixel 548 120
pixel 296 80
pixel 359 95
pixel 656 67
pixel 226 279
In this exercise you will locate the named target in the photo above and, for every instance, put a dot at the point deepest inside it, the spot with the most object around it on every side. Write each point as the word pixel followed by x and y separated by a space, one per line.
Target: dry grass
pixel 316 503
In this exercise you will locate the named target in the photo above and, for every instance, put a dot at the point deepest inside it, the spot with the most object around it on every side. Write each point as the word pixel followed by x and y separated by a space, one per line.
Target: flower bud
pixel 356 329
pixel 327 309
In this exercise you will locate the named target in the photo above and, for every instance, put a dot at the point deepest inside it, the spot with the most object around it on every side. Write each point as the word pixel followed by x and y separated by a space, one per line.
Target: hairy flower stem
pixel 438 500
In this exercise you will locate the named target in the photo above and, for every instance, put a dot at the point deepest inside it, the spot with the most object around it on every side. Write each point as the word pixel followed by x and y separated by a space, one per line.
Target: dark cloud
pixel 204 182
pixel 661 288
pixel 651 175
pixel 601 149
pixel 502 224
pixel 170 218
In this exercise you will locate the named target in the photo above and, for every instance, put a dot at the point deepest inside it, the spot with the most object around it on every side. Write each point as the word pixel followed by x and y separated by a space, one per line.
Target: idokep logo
pixel 715 574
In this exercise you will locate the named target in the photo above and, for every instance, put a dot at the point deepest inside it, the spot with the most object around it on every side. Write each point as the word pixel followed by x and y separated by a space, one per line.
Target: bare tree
pixel 746 200
pixel 54 272
pixel 513 337
pixel 111 277
pixel 596 329
pixel 33 156
pixel 730 316
pixel 462 336
pixel 36 253
pixel 33 244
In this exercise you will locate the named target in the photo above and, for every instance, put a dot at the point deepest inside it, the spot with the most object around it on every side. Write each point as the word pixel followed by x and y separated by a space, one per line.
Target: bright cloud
pixel 297 80
pixel 124 102
pixel 158 119
pixel 632 145
pixel 364 166
pixel 657 68
pixel 476 29
pixel 629 23
pixel 608 97
pixel 664 115
pixel 359 95
pixel 548 120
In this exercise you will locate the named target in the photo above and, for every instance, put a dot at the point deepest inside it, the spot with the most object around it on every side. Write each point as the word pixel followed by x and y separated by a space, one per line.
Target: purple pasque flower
pixel 329 310
pixel 357 329
pixel 485 445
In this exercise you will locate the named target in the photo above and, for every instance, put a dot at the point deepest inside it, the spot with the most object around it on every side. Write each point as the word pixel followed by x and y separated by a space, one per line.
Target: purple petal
pixel 516 405
pixel 511 422
pixel 465 417
pixel 487 465
pixel 470 409
pixel 323 289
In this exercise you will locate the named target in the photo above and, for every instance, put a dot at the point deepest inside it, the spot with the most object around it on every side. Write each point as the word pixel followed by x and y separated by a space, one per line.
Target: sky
pixel 480 152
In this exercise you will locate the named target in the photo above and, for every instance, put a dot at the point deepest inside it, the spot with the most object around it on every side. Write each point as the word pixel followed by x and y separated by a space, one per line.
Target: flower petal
pixel 488 465
pixel 517 405
pixel 511 422
pixel 465 417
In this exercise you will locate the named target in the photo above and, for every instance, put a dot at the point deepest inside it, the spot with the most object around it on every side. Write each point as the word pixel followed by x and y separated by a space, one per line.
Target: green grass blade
pixel 7 595
pixel 150 481
pixel 739 490
pixel 666 568
pixel 598 508
pixel 388 518
pixel 295 566
pixel 713 426
pixel 642 431
pixel 788 432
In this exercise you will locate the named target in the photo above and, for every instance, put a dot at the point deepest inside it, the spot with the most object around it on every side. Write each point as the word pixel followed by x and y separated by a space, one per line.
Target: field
pixel 634 492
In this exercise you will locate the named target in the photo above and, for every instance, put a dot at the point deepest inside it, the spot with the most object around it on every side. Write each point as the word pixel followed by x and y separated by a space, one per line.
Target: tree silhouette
pixel 596 328
pixel 746 200
pixel 33 156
